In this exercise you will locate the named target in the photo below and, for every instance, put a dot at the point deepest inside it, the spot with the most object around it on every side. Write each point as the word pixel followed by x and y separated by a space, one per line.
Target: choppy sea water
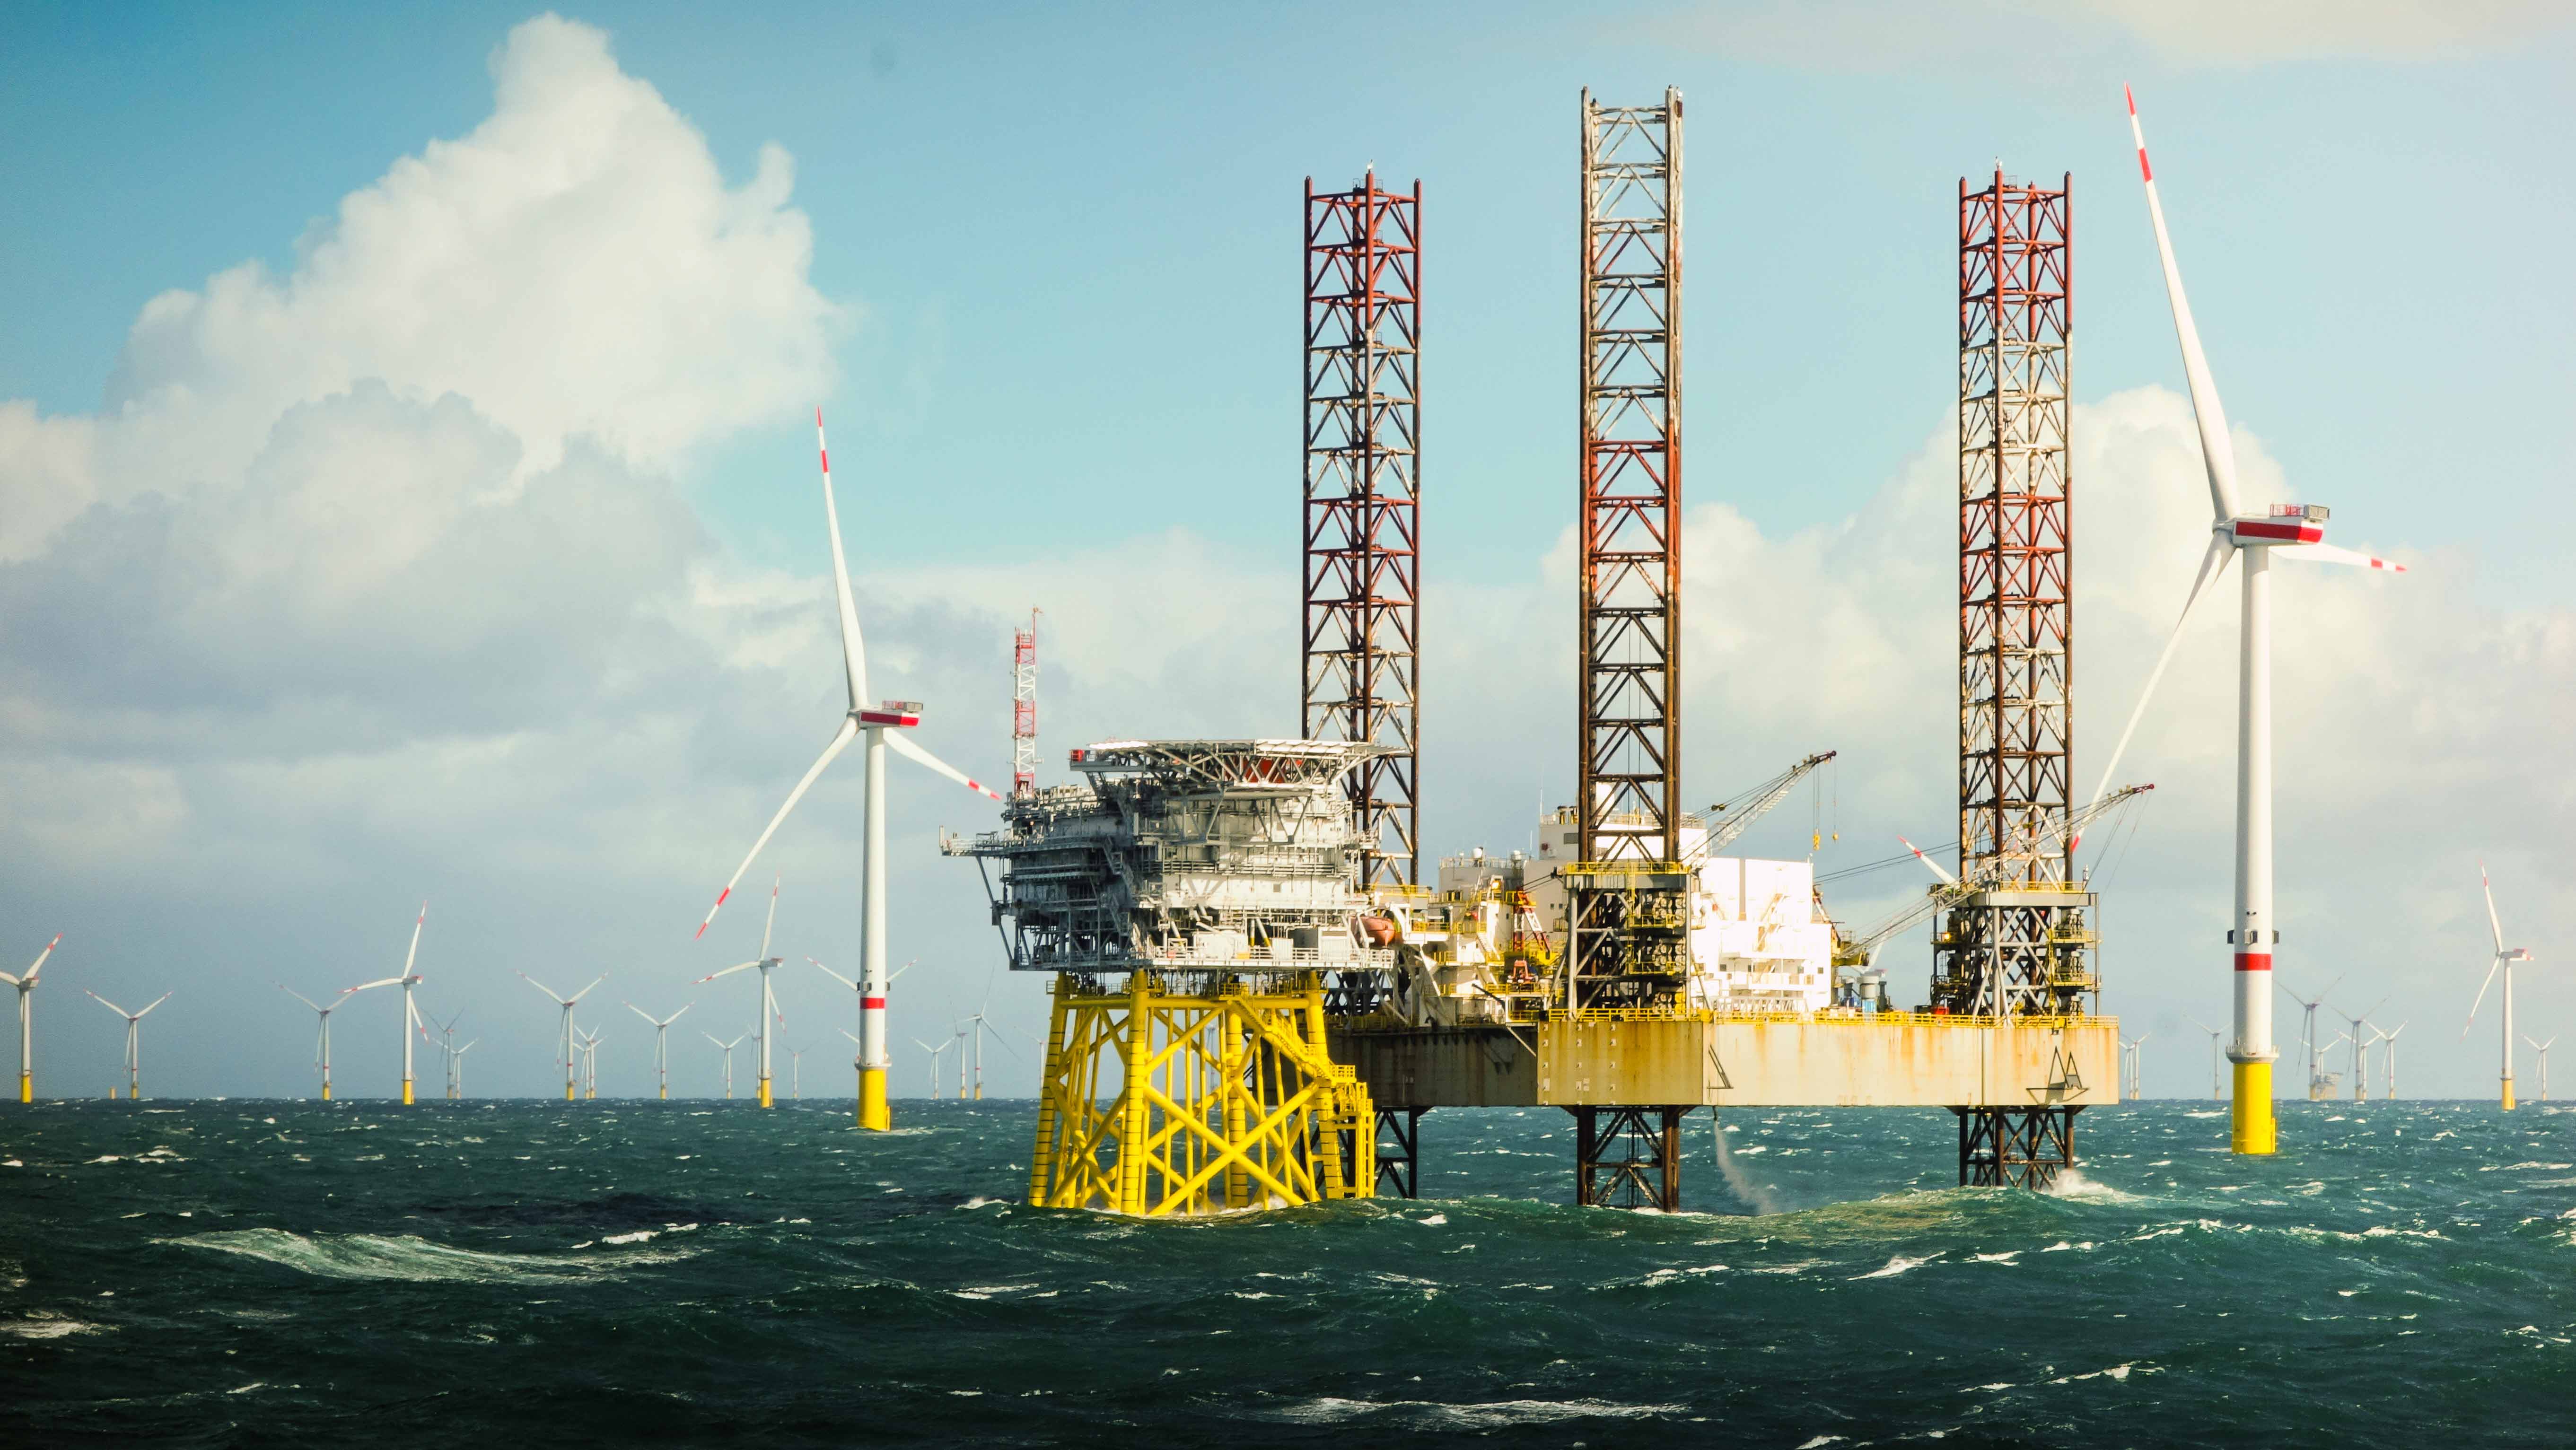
pixel 278 1274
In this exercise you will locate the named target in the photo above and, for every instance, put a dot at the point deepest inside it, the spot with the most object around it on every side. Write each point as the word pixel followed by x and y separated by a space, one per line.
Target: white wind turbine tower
pixel 2137 1069
pixel 2296 531
pixel 728 1052
pixel 2308 1032
pixel 2503 962
pixel 2360 1044
pixel 796 1073
pixel 983 1023
pixel 860 1062
pixel 2388 1061
pixel 411 1014
pixel 456 1067
pixel 661 1044
pixel 564 1037
pixel 2539 1050
pixel 934 1060
pixel 26 983
pixel 2217 1082
pixel 447 1049
pixel 134 1045
pixel 884 725
pixel 322 1042
pixel 590 1063
pixel 768 1000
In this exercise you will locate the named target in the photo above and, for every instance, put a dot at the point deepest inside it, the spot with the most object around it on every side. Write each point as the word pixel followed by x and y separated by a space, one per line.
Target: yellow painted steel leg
pixel 1042 1162
pixel 873 1115
pixel 26 1087
pixel 2508 1092
pixel 406 1092
pixel 326 1092
pixel 2252 1128
pixel 764 1092
pixel 568 1093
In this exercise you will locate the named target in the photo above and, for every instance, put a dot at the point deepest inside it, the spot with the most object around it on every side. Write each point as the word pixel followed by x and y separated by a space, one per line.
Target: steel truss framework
pixel 1631 460
pixel 1363 603
pixel 2014 949
pixel 1627 905
pixel 1159 1100
pixel 1628 1157
pixel 2015 1147
pixel 1399 1151
pixel 1024 710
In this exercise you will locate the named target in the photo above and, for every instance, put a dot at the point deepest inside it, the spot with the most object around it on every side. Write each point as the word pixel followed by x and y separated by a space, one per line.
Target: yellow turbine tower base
pixel 1163 1101
pixel 872 1101
pixel 26 1087
pixel 2252 1128
pixel 764 1092
pixel 326 1092
pixel 2508 1094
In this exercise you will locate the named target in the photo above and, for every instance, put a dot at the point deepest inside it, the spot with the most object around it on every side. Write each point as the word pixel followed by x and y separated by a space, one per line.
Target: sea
pixel 241 1273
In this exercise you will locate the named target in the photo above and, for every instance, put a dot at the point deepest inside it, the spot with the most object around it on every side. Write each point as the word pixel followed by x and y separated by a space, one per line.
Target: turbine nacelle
pixel 2287 523
pixel 891 714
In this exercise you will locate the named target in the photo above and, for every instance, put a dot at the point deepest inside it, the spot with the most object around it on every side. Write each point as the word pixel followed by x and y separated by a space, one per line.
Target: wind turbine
pixel 2503 962
pixel 134 1045
pixel 934 1060
pixel 2389 1061
pixel 2295 531
pixel 884 725
pixel 959 1027
pixel 768 1000
pixel 590 1063
pixel 456 1065
pixel 860 1062
pixel 661 1044
pixel 322 1044
pixel 26 1021
pixel 728 1052
pixel 565 1038
pixel 982 1025
pixel 2137 1068
pixel 411 1014
pixel 2539 1049
pixel 2360 1066
pixel 2308 1030
pixel 2217 1083
pixel 796 1073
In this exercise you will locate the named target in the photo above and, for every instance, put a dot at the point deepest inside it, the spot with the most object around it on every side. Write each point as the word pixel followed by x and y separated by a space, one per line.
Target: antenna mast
pixel 1024 710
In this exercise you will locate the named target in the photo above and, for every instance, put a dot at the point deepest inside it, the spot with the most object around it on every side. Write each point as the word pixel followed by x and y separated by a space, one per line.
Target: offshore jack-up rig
pixel 1256 996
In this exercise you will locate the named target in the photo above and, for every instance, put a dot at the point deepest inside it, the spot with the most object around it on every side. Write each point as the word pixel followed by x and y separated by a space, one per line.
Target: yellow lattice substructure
pixel 1159 1100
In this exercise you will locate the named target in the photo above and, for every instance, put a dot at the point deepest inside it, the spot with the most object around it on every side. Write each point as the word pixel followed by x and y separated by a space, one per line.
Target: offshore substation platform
pixel 1256 993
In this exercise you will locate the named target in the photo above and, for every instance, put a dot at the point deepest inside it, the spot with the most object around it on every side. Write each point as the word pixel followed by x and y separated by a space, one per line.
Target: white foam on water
pixel 2115 1372
pixel 2005 1257
pixel 1434 1221
pixel 405 1257
pixel 1896 1264
pixel 1493 1414
pixel 46 1324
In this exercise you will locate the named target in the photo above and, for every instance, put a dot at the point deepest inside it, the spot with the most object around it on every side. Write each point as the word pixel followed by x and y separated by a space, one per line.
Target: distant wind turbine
pixel 2217 1079
pixel 2502 961
pixel 26 983
pixel 768 999
pixel 884 725
pixel 728 1052
pixel 411 1014
pixel 934 1060
pixel 661 1044
pixel 456 1065
pixel 134 1043
pixel 2539 1049
pixel 564 1037
pixel 322 1042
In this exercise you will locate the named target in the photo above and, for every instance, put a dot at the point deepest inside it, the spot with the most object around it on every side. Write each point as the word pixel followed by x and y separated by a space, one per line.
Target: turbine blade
pixel 904 745
pixel 2493 924
pixel 1929 864
pixel 841 739
pixel 640 1012
pixel 2217 450
pixel 2329 554
pixel 30 977
pixel 2213 563
pixel 298 996
pixel 157 1001
pixel 676 1016
pixel 837 977
pixel 724 972
pixel 414 954
pixel 771 924
pixel 584 992
pixel 2492 968
pixel 368 986
pixel 899 971
pixel 110 1006
pixel 854 649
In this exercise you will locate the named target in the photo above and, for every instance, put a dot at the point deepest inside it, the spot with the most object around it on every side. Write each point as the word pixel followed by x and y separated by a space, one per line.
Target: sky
pixel 405 491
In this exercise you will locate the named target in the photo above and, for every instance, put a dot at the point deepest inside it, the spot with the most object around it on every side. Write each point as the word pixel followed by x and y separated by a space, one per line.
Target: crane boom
pixel 1726 822
pixel 1982 875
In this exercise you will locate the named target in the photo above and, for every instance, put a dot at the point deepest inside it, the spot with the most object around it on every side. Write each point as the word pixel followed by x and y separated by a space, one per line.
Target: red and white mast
pixel 1024 710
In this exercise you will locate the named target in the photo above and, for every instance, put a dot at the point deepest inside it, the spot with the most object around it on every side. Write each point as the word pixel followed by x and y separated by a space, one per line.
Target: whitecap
pixel 1434 1221
pixel 1895 1265
pixel 45 1324
pixel 2005 1257
pixel 1493 1414
pixel 400 1257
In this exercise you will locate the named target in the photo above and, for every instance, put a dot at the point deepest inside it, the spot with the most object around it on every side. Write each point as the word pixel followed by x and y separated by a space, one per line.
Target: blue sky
pixel 1051 305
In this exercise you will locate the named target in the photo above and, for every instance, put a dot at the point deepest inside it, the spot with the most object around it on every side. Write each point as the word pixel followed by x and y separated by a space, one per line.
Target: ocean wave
pixel 46 1324
pixel 404 1257
pixel 1488 1415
